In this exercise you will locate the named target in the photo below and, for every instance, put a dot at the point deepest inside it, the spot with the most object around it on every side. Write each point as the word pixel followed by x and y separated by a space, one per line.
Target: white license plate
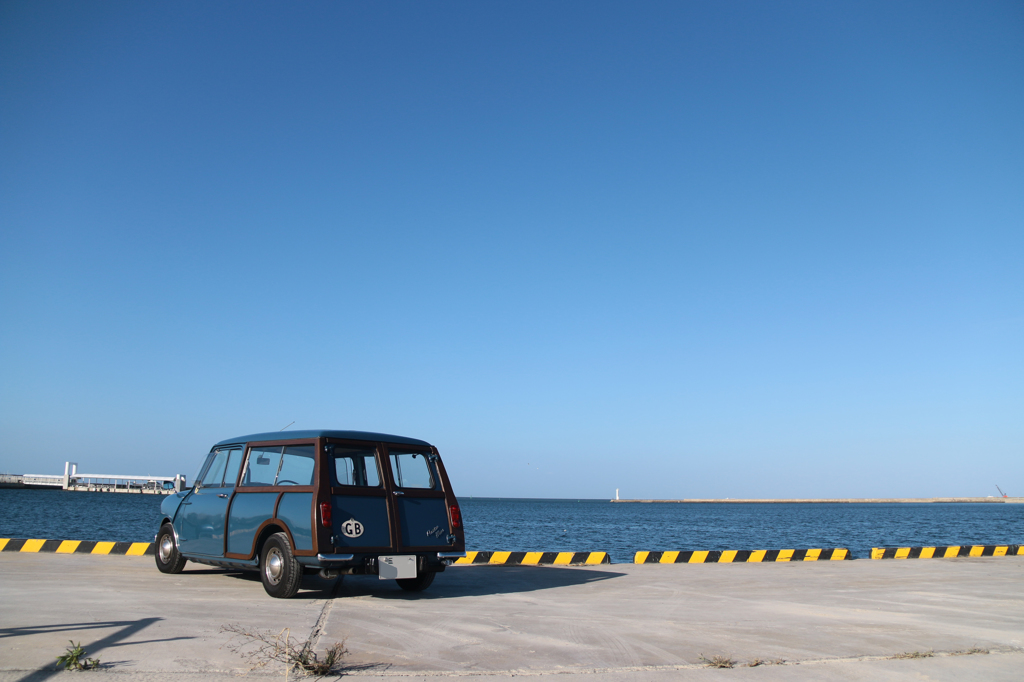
pixel 396 566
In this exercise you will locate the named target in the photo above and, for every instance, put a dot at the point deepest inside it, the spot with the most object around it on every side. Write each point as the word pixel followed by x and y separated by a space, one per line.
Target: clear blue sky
pixel 729 249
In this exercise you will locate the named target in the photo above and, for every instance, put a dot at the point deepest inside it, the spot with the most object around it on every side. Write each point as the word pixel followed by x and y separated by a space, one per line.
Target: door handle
pixel 222 495
pixel 397 492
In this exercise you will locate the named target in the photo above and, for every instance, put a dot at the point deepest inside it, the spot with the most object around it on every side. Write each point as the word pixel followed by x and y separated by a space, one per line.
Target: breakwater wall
pixel 948 552
pixel 511 558
pixel 33 545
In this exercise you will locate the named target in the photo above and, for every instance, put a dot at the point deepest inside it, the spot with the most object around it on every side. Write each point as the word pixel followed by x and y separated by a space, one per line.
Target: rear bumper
pixel 335 558
pixel 350 558
pixel 366 564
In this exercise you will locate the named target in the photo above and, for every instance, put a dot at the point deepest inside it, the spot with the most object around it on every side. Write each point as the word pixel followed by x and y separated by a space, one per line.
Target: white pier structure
pixel 103 483
pixel 118 483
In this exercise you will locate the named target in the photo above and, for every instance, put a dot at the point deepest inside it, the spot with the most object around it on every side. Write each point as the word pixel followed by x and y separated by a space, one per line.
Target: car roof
pixel 323 433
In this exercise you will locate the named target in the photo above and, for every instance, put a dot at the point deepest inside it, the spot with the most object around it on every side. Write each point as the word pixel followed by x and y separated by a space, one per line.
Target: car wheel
pixel 279 571
pixel 417 584
pixel 168 559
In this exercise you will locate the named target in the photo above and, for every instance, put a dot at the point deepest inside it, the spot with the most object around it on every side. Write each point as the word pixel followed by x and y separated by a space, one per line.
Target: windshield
pixel 202 467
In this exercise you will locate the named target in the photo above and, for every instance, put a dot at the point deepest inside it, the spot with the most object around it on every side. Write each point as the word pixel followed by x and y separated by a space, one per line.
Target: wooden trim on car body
pixel 256 536
pixel 280 490
pixel 443 491
pixel 321 534
pixel 451 501
pixel 322 490
pixel 381 490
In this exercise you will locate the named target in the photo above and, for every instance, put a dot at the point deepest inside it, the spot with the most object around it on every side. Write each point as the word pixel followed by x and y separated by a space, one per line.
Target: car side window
pixel 355 466
pixel 231 469
pixel 262 467
pixel 280 465
pixel 296 465
pixel 411 470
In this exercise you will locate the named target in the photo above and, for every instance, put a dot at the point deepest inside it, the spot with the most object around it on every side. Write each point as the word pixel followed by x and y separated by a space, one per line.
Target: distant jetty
pixel 857 500
pixel 95 483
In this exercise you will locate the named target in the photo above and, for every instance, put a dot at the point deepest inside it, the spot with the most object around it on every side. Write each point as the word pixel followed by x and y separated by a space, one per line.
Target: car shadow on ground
pixel 457 581
pixel 476 581
pixel 313 586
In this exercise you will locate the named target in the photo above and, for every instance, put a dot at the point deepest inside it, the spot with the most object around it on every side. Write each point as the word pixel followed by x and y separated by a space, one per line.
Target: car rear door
pixel 360 518
pixel 418 492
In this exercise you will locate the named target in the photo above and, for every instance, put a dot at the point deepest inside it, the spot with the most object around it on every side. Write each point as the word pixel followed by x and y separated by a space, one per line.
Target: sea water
pixel 584 525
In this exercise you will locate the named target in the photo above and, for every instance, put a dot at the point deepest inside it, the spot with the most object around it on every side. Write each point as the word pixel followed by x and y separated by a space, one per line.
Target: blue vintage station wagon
pixel 328 502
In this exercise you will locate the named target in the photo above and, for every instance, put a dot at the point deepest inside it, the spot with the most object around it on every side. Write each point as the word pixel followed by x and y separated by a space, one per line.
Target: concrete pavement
pixel 823 620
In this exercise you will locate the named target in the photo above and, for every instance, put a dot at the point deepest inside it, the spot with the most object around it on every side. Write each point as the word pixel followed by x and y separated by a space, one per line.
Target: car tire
pixel 417 584
pixel 280 572
pixel 168 558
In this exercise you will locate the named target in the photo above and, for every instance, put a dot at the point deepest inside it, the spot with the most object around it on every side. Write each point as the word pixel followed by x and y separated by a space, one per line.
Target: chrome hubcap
pixel 274 566
pixel 166 547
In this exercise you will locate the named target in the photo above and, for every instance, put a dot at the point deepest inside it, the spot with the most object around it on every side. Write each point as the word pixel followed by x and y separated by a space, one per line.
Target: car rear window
pixel 411 470
pixel 355 466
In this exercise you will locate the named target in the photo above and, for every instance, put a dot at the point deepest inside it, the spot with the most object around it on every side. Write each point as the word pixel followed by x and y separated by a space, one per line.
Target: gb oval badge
pixel 351 528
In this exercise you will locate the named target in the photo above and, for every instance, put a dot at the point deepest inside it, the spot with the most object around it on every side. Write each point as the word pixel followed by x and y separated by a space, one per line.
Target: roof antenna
pixel 286 426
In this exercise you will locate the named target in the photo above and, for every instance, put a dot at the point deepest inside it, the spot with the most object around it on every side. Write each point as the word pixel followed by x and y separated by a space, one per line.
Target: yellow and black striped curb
pixel 535 558
pixel 76 547
pixel 945 552
pixel 735 556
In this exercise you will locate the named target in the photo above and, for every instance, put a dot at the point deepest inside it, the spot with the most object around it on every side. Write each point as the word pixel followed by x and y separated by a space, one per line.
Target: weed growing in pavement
pixel 717 661
pixel 969 652
pixel 260 648
pixel 74 658
pixel 756 662
pixel 915 654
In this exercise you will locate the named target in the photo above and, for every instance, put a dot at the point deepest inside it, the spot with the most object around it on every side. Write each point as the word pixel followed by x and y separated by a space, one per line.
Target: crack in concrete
pixel 325 612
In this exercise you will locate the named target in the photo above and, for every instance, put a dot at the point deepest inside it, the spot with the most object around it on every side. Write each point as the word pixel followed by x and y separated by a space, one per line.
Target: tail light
pixel 456 516
pixel 325 514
